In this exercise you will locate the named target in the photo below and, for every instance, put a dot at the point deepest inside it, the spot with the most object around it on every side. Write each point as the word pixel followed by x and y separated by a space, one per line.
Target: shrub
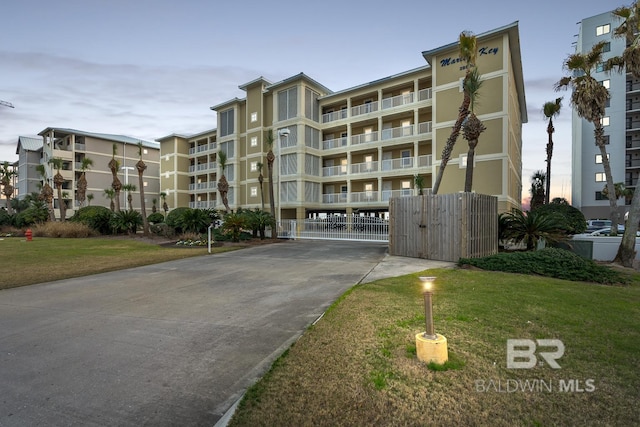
pixel 63 229
pixel 37 212
pixel 125 221
pixel 551 262
pixel 155 218
pixel 174 217
pixel 233 225
pixel 96 217
pixel 162 229
pixel 568 217
pixel 5 218
pixel 194 221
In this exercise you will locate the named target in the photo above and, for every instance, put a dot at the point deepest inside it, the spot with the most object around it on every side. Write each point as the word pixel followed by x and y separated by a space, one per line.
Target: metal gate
pixel 370 229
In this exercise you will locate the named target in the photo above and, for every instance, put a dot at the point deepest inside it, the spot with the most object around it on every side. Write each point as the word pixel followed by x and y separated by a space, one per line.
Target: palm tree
pixel 537 189
pixel 550 110
pixel 260 165
pixel 141 167
pixel 6 174
pixel 129 188
pixel 111 194
pixel 629 61
pixel 467 47
pixel 58 181
pixel 89 198
pixel 531 227
pixel 472 126
pixel 114 165
pixel 154 207
pixel 589 98
pixel 165 207
pixel 620 190
pixel 223 185
pixel 419 181
pixel 82 180
pixel 46 192
pixel 270 159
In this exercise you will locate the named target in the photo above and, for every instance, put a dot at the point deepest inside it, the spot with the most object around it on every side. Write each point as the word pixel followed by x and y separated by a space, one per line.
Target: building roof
pixel 516 59
pixel 299 76
pixel 29 143
pixel 107 136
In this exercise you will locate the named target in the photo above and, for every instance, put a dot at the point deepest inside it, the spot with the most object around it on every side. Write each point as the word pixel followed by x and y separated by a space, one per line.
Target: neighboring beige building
pixel 350 151
pixel 72 146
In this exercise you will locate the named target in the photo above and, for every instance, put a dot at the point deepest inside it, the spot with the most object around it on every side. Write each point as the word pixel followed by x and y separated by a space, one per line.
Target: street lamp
pixel 126 170
pixel 282 133
pixel 427 283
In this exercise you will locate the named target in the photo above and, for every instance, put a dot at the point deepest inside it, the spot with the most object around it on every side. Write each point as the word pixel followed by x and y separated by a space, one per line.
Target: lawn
pixel 357 366
pixel 46 259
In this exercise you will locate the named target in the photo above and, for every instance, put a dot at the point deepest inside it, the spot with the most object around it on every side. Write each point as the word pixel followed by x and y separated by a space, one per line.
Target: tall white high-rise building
pixel 621 125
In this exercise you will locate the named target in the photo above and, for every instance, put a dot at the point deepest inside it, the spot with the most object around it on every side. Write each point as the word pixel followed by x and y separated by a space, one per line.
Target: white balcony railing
pixel 334 198
pixel 398 132
pixel 328 144
pixel 334 115
pixel 334 170
pixel 364 197
pixel 364 138
pixel 366 108
pixel 387 194
pixel 397 101
pixel 425 94
pixel 365 167
pixel 395 164
pixel 425 127
pixel 425 161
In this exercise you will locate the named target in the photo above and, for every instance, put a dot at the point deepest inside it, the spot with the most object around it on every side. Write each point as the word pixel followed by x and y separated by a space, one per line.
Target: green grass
pixel 357 366
pixel 46 259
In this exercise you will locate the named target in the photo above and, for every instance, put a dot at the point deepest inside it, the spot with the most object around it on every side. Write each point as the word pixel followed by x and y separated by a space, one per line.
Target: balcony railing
pixel 334 170
pixel 211 166
pixel 387 194
pixel 365 108
pixel 203 186
pixel 373 196
pixel 397 132
pixel 364 138
pixel 334 198
pixel 202 148
pixel 397 101
pixel 425 161
pixel 400 163
pixel 425 94
pixel 364 197
pixel 202 205
pixel 633 163
pixel 424 127
pixel 334 115
pixel 81 147
pixel 365 167
pixel 328 144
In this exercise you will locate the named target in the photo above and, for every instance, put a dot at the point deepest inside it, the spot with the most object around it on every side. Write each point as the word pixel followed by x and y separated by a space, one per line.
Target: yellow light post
pixel 430 346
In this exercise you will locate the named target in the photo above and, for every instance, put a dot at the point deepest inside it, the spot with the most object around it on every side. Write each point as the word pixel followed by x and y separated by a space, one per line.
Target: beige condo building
pixel 351 151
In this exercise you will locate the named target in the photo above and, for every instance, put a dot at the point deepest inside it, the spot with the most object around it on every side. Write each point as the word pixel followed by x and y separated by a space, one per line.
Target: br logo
pixel 521 354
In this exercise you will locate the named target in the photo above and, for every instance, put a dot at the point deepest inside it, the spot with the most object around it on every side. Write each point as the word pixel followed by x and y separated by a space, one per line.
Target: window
pixel 599 158
pixel 254 117
pixel 145 183
pixel 606 83
pixel 600 67
pixel 606 47
pixel 254 141
pixel 599 196
pixel 606 139
pixel 288 103
pixel 145 151
pixel 226 124
pixel 605 121
pixel 311 110
pixel 406 188
pixel 254 166
pixel 254 191
pixel 603 29
pixel 463 161
pixel 600 177
pixel 368 190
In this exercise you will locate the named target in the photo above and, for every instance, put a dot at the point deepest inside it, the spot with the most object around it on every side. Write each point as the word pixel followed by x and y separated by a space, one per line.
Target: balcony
pixel 635 163
pixel 396 164
pixel 365 167
pixel 203 186
pixel 372 196
pixel 334 198
pixel 366 108
pixel 80 147
pixel 203 205
pixel 328 144
pixel 365 197
pixel 364 138
pixel 425 94
pixel 425 127
pixel 387 194
pixel 397 101
pixel 425 161
pixel 398 132
pixel 202 148
pixel 201 167
pixel 334 170
pixel 334 115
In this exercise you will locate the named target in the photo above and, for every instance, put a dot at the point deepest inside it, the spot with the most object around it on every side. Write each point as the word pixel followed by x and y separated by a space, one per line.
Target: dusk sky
pixel 149 68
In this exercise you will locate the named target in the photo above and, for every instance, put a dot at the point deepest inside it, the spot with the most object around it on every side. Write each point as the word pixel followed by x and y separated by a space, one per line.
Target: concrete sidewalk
pixel 392 266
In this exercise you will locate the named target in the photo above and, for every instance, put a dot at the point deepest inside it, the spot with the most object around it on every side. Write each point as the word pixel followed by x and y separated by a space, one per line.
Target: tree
pixel 550 110
pixel 154 207
pixel 467 47
pixel 194 221
pixel 589 98
pixel 419 181
pixel 6 175
pixel 537 189
pixel 58 181
pixel 260 165
pixel 472 126
pixel 129 188
pixel 270 160
pixel 89 198
pixel 629 61
pixel 114 165
pixel 165 207
pixel 223 185
pixel 46 192
pixel 570 219
pixel 141 167
pixel 530 227
pixel 620 190
pixel 82 180
pixel 111 194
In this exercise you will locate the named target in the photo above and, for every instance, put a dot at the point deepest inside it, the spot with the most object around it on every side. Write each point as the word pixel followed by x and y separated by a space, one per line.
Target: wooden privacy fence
pixel 443 227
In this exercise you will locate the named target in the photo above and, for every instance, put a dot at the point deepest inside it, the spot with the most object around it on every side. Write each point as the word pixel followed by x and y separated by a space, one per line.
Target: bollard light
pixel 427 283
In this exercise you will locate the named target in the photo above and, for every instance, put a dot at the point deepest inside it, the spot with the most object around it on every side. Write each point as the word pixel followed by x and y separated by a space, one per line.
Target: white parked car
pixel 607 231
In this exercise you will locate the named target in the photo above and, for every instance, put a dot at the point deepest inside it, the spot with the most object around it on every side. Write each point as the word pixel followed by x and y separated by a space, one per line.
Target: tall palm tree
pixel 537 189
pixel 129 188
pixel 58 181
pixel 550 110
pixel 6 174
pixel 629 61
pixel 260 165
pixel 46 192
pixel 89 198
pixel 114 165
pixel 472 126
pixel 223 185
pixel 141 167
pixel 620 189
pixel 111 194
pixel 165 207
pixel 82 180
pixel 467 47
pixel 270 160
pixel 589 98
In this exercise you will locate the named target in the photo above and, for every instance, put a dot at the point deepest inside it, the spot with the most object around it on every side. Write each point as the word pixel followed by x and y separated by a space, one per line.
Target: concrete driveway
pixel 169 344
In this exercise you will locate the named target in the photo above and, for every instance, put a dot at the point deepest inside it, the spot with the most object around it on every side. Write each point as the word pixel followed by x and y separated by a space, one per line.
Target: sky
pixel 150 68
